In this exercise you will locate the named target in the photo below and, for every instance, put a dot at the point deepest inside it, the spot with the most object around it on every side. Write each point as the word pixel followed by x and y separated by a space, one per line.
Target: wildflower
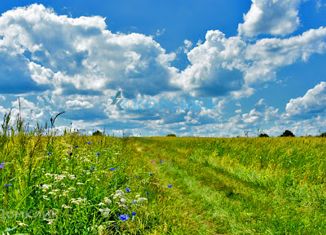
pixel 101 204
pixel 112 169
pixel 105 212
pixel 49 153
pixel 123 200
pixel 141 199
pixel 98 154
pixel 76 146
pixel 89 142
pixel 128 190
pixel 133 213
pixel 72 177
pixel 64 206
pixel 8 185
pixel 118 194
pixel 107 201
pixel 170 186
pixel 161 161
pixel 124 217
pixel 59 177
pixel 134 201
pixel 78 201
pixel 80 183
pixel 2 165
pixel 50 221
pixel 21 224
pixel 45 187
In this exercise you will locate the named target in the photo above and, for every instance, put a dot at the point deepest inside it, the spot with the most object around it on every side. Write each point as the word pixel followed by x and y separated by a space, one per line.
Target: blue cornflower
pixel 133 213
pixel 170 186
pixel 128 190
pixel 2 165
pixel 49 153
pixel 124 217
pixel 89 142
pixel 112 169
pixel 7 185
pixel 98 154
pixel 76 146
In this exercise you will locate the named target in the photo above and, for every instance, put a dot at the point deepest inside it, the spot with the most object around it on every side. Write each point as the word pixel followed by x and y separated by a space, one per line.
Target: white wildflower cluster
pixel 120 199
pixel 45 187
pixel 60 177
pixel 140 199
pixel 105 212
pixel 50 216
pixel 21 224
pixel 78 201
pixel 64 206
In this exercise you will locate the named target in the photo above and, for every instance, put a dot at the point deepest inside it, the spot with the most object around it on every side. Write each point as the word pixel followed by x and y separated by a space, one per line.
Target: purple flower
pixel 89 142
pixel 133 213
pixel 124 217
pixel 170 186
pixel 112 169
pixel 128 190
pixel 2 165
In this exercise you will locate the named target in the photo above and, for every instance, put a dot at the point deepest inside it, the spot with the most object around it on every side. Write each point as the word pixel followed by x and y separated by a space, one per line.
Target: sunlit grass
pixel 102 185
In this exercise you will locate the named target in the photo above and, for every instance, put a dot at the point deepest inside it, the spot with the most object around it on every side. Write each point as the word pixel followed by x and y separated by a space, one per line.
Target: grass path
pixel 214 194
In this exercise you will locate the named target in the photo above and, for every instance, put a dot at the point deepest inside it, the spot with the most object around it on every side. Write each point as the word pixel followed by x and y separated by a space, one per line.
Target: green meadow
pixel 74 184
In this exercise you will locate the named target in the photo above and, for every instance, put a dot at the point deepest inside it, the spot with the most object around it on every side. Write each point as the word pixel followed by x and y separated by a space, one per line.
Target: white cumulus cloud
pixel 313 103
pixel 275 17
pixel 74 54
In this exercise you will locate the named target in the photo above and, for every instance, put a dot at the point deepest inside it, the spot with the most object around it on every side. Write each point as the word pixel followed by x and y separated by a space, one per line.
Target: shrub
pixel 263 135
pixel 97 133
pixel 323 134
pixel 287 133
pixel 171 135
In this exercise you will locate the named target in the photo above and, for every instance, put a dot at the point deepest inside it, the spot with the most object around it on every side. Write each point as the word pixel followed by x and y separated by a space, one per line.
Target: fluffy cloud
pixel 77 65
pixel 222 66
pixel 214 69
pixel 267 55
pixel 276 17
pixel 313 103
pixel 73 54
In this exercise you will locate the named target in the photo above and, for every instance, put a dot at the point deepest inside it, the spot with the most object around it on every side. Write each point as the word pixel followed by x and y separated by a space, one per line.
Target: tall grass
pixel 74 184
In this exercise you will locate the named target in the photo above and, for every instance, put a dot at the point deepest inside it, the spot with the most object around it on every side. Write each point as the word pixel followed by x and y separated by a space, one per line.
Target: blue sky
pixel 208 68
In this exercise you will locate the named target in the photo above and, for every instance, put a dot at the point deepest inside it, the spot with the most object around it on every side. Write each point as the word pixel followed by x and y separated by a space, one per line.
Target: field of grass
pixel 103 185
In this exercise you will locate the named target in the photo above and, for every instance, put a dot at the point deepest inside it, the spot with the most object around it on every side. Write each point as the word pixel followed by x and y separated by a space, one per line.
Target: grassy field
pixel 102 185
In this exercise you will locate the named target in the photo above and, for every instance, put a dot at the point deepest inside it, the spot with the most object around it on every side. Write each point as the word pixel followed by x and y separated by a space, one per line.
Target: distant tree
pixel 171 135
pixel 97 133
pixel 263 135
pixel 287 133
pixel 323 134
